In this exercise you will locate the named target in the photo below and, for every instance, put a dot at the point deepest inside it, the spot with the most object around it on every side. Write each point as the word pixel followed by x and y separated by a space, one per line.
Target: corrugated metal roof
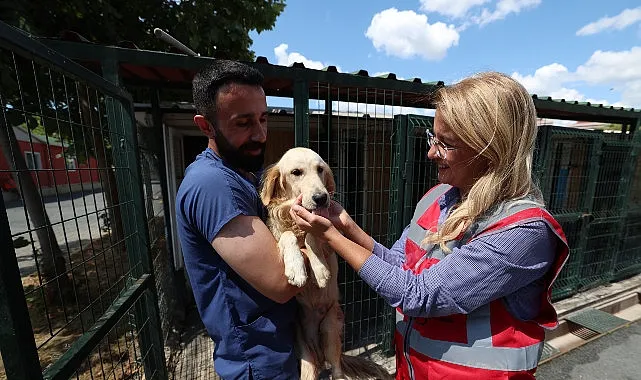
pixel 153 68
pixel 588 104
pixel 393 76
pixel 361 72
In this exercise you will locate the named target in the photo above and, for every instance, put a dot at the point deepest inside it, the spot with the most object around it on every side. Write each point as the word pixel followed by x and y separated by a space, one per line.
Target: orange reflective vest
pixel 489 342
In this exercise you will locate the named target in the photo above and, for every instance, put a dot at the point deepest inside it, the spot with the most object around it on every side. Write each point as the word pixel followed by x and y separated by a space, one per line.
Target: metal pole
pixel 166 37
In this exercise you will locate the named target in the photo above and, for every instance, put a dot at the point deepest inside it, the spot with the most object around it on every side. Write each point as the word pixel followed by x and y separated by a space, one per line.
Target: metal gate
pixel 77 295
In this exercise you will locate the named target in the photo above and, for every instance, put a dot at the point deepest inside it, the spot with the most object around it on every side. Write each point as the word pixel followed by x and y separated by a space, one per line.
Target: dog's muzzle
pixel 321 199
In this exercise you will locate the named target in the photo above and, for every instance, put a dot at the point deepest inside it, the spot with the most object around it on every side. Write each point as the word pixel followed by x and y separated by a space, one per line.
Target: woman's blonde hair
pixel 495 116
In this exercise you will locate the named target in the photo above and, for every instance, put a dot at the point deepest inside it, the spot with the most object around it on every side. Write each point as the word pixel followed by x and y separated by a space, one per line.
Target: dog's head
pixel 299 171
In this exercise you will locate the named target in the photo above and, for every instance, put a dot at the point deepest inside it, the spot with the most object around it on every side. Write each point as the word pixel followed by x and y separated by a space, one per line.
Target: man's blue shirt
pixel 251 333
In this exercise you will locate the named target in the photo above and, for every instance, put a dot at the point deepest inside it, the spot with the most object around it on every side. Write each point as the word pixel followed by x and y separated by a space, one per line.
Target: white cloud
pixel 406 34
pixel 618 70
pixel 503 9
pixel 480 12
pixel 285 58
pixel 455 9
pixel 548 81
pixel 612 66
pixel 618 22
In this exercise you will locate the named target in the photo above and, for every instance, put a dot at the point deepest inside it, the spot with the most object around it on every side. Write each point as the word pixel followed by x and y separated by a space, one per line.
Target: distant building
pixel 52 170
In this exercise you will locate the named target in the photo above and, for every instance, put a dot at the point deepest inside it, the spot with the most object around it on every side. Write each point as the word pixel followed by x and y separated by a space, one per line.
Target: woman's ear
pixel 272 187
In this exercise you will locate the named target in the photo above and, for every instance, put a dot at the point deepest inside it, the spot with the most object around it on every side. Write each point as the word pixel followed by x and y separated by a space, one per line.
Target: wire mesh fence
pixel 634 200
pixel 155 192
pixel 566 168
pixel 421 172
pixel 628 258
pixel 611 190
pixel 355 138
pixel 70 196
pixel 568 280
pixel 597 264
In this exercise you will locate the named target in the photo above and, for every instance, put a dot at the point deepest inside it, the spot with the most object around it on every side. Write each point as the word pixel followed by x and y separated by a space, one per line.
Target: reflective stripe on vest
pixel 490 358
pixel 479 352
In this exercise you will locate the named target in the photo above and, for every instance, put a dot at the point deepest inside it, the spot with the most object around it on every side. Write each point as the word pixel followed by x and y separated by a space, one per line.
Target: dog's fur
pixel 320 322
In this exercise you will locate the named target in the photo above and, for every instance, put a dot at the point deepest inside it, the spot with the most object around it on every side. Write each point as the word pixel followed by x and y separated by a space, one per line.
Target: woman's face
pixel 461 167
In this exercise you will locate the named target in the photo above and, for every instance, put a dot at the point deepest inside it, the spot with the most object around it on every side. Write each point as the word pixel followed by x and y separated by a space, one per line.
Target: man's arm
pixel 249 248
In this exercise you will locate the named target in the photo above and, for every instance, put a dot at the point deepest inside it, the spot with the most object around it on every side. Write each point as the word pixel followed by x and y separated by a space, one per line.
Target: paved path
pixel 616 356
pixel 75 219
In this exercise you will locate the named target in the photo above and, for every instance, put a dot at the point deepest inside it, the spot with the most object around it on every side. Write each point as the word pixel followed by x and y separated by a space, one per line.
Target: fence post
pixel 301 112
pixel 628 171
pixel 595 164
pixel 17 344
pixel 408 172
pixel 397 178
pixel 126 155
pixel 541 160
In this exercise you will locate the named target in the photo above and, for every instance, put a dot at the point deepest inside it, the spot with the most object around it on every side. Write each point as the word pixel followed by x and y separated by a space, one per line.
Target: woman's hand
pixel 317 223
pixel 338 216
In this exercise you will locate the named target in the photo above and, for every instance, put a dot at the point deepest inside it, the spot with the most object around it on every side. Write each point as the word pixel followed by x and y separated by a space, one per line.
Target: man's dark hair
pixel 210 79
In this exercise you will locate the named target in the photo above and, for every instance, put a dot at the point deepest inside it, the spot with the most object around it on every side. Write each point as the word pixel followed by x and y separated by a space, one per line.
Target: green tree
pixel 215 28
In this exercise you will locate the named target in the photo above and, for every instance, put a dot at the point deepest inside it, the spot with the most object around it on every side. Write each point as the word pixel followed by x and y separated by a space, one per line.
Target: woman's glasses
pixel 441 148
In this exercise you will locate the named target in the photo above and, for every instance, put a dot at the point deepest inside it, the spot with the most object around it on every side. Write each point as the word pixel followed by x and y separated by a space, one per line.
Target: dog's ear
pixel 328 180
pixel 272 187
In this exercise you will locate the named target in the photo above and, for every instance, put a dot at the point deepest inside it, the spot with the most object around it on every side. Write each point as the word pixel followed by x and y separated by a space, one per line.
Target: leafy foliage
pixel 216 28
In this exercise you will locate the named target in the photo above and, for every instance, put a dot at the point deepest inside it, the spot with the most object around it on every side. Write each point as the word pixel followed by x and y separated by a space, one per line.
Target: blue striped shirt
pixel 509 264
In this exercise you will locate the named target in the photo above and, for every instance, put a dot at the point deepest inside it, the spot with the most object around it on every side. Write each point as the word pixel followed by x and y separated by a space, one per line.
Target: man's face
pixel 240 131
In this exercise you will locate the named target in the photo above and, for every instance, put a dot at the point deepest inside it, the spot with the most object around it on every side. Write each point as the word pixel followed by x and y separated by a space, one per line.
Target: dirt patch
pixel 98 271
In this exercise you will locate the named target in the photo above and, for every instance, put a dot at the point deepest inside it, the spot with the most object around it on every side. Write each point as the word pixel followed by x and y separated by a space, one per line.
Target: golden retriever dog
pixel 320 320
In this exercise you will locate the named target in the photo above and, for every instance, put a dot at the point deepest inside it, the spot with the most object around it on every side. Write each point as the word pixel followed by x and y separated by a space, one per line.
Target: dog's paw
pixel 295 272
pixel 296 277
pixel 322 275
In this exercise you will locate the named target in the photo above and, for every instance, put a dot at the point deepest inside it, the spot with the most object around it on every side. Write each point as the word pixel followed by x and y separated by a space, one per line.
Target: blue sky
pixel 582 50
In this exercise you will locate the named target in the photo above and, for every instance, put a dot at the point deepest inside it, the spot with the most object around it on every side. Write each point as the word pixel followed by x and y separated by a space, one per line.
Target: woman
pixel 471 275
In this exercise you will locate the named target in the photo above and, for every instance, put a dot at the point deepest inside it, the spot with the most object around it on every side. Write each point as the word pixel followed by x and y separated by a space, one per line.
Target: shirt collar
pixel 449 199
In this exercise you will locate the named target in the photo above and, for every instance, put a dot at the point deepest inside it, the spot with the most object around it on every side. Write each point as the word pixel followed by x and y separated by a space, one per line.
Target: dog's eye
pixel 297 172
pixel 320 170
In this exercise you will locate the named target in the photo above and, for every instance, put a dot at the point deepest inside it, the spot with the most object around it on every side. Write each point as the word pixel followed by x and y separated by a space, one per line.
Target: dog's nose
pixel 320 199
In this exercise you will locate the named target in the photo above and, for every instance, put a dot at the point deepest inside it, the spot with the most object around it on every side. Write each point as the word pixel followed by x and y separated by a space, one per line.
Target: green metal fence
pixel 355 141
pixel 77 294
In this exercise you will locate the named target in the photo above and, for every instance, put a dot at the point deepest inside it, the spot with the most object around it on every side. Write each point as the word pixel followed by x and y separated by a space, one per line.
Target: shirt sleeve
pixel 394 255
pixel 210 200
pixel 473 275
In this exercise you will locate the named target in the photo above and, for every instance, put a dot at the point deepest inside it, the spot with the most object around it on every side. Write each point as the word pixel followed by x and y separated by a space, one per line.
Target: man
pixel 231 257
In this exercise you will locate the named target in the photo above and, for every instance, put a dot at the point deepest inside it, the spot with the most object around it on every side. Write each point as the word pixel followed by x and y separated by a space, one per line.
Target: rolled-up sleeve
pixel 486 269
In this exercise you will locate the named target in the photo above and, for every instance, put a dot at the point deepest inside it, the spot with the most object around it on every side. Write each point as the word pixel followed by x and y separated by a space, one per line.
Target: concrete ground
pixel 615 356
pixel 193 360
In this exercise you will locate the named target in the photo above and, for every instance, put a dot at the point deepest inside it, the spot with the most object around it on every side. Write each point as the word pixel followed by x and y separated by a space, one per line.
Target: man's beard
pixel 239 158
